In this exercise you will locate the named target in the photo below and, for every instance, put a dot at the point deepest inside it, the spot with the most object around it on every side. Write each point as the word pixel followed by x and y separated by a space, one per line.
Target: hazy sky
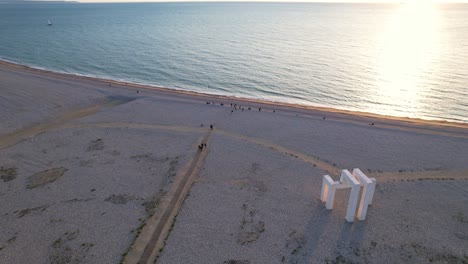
pixel 331 1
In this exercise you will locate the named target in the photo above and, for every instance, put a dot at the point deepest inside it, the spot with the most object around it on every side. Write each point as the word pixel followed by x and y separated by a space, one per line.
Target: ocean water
pixel 398 60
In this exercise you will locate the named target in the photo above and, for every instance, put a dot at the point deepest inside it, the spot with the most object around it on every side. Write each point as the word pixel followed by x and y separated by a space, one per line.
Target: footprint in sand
pixel 294 245
pixel 8 174
pixel 31 210
pixel 236 261
pixel 44 177
pixel 97 144
pixel 67 249
pixel 119 199
pixel 250 228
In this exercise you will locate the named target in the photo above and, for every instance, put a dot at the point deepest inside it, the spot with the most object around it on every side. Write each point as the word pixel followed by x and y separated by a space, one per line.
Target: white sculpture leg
pixel 328 191
pixel 353 197
pixel 367 192
pixel 325 186
pixel 371 190
pixel 330 198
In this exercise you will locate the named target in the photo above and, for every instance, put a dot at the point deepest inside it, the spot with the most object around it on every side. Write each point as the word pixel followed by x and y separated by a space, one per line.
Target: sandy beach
pixel 101 171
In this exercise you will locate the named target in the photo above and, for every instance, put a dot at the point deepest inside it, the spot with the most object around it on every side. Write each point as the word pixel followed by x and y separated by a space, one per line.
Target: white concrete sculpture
pixel 353 181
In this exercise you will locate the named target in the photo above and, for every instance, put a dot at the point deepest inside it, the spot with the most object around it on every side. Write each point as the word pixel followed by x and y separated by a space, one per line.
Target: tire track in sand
pixel 314 161
pixel 439 175
pixel 25 133
pixel 151 241
pixel 134 125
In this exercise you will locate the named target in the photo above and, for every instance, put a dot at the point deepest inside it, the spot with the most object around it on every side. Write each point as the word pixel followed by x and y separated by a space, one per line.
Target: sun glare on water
pixel 407 48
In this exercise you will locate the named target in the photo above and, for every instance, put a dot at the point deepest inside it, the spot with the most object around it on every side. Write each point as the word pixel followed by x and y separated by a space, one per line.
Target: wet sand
pixel 91 169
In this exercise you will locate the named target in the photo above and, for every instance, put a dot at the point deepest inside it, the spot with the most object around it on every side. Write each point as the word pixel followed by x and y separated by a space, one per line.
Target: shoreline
pixel 327 112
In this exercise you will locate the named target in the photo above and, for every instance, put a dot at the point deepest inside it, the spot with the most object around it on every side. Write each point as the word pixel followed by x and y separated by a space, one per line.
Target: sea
pixel 405 60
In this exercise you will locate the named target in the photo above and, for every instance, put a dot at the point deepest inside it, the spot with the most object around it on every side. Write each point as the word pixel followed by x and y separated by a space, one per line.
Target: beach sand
pixel 100 171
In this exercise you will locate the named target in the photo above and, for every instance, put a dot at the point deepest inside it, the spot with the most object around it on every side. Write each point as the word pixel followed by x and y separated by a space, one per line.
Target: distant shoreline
pixel 202 2
pixel 318 112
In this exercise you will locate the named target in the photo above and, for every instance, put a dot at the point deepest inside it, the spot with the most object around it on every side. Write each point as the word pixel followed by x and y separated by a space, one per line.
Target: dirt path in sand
pixel 134 125
pixel 151 240
pixel 432 175
pixel 327 166
pixel 314 161
pixel 22 134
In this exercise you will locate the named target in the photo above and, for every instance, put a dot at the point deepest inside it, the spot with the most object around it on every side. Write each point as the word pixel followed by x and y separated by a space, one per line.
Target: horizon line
pixel 248 1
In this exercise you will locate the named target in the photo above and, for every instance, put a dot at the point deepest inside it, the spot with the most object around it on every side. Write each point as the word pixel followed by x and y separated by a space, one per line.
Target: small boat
pixel 49 23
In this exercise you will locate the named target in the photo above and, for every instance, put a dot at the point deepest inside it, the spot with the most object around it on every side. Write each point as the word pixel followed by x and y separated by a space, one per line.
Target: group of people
pixel 211 126
pixel 237 107
pixel 201 146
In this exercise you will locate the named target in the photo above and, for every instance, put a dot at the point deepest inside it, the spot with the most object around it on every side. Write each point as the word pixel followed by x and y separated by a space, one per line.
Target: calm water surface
pixel 399 60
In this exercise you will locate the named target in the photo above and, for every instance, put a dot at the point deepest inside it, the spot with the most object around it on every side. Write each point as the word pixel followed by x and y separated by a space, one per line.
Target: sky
pixel 321 1
pixel 331 1
pixel 326 1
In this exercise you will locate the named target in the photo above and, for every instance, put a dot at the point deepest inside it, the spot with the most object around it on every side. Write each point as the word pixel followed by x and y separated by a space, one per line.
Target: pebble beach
pixel 102 171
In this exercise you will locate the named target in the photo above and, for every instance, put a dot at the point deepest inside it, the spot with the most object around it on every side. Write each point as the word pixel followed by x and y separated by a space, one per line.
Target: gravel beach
pixel 100 171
